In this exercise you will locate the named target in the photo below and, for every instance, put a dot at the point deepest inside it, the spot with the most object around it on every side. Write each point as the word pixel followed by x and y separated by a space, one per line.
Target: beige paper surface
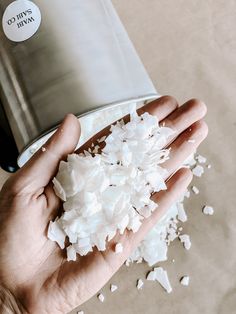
pixel 189 49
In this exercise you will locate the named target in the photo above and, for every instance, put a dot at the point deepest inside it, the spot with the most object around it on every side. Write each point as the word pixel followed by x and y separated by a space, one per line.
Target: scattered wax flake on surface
pixel 198 171
pixel 173 260
pixel 208 210
pixel 195 189
pixel 162 278
pixel 140 284
pixel 187 194
pixel 113 288
pixel 185 239
pixel 209 166
pixel 127 262
pixel 201 159
pixel 118 248
pixel 184 281
pixel 181 212
pixel 191 141
pixel 43 149
pixel 80 312
pixel 101 297
pixel 160 275
pixel 151 276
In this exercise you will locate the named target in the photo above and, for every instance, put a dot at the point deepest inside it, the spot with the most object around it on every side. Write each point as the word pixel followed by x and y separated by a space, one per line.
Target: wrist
pixel 9 303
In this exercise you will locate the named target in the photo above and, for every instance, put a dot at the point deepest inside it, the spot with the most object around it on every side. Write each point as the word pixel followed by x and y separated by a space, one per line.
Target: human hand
pixel 33 268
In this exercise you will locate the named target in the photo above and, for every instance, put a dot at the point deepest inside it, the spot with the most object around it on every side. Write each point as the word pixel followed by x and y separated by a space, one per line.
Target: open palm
pixel 35 269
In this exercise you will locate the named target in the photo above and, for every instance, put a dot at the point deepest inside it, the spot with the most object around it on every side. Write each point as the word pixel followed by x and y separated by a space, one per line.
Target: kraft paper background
pixel 189 50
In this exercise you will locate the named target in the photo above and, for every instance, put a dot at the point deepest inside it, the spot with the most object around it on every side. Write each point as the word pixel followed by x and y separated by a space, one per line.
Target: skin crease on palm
pixel 34 268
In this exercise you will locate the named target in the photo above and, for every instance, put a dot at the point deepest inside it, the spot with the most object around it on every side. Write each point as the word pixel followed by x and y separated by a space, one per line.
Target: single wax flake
pixel 184 281
pixel 208 210
pixel 118 248
pixel 200 159
pixel 140 284
pixel 101 297
pixel 185 239
pixel 195 189
pixel 198 171
pixel 113 288
pixel 181 212
pixel 162 278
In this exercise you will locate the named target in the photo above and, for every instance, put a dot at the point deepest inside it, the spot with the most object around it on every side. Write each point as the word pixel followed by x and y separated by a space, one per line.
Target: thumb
pixel 40 169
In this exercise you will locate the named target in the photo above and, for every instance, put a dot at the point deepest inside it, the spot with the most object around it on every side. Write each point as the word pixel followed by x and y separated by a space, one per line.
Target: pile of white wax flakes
pixel 110 191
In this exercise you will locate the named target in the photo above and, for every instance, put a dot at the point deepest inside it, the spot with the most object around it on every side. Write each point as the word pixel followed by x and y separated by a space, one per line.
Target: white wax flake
pixel 162 278
pixel 191 141
pixel 208 210
pixel 187 194
pixel 201 159
pixel 195 189
pixel 185 239
pixel 118 248
pixel 127 262
pixel 140 284
pixel 95 149
pixel 111 191
pixel 198 171
pixel 184 281
pixel 139 260
pixel 209 166
pixel 55 233
pixel 113 288
pixel 171 232
pixel 151 276
pixel 181 212
pixel 80 312
pixel 43 149
pixel 58 189
pixel 160 275
pixel 101 297
pixel 102 139
pixel 190 161
pixel 71 253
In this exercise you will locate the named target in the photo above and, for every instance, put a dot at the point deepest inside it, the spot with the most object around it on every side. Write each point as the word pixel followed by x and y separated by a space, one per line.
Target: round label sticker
pixel 21 20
